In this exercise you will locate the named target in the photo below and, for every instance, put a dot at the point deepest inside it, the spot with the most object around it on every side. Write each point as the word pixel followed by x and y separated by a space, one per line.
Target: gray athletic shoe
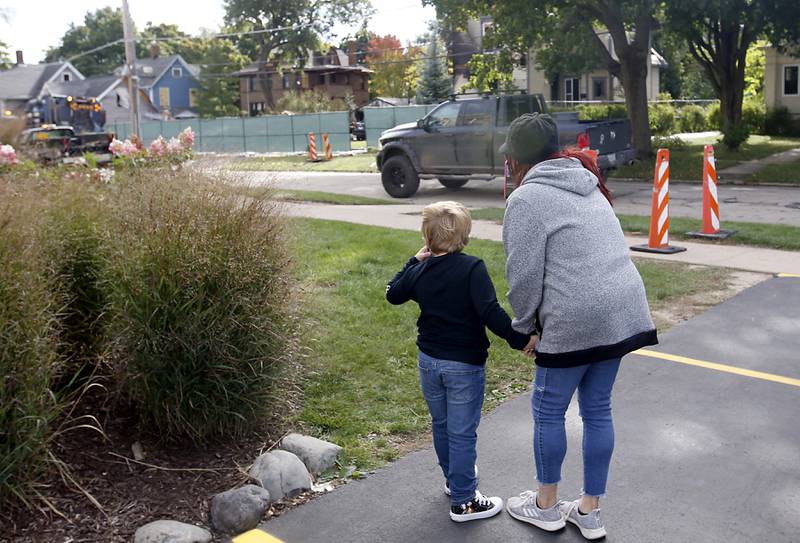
pixel 524 508
pixel 590 524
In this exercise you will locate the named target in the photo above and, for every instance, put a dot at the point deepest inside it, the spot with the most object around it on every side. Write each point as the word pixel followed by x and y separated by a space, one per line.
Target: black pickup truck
pixel 60 143
pixel 459 139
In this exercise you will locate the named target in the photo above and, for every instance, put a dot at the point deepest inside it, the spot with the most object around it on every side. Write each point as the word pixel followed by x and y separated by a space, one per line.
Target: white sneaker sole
pixel 477 516
pixel 546 525
pixel 588 533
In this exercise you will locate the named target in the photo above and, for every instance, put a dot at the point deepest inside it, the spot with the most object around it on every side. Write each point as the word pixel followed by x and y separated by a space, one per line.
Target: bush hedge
pixel 692 118
pixel 662 119
pixel 164 284
pixel 779 122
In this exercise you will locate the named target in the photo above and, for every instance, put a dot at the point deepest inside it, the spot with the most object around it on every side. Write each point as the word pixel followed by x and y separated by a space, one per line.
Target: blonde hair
pixel 446 227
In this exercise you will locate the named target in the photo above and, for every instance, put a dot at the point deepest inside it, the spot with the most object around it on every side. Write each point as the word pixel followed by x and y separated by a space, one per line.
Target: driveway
pixel 708 447
pixel 779 205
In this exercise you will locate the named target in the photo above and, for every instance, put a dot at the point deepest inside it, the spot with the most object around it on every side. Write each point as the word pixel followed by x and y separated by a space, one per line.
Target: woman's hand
pixel 423 254
pixel 530 349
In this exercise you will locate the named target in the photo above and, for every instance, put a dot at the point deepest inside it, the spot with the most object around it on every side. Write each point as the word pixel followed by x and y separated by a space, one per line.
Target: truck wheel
pixel 453 182
pixel 399 178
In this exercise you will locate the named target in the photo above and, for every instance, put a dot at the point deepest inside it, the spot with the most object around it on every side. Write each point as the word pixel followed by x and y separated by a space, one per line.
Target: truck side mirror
pixel 420 123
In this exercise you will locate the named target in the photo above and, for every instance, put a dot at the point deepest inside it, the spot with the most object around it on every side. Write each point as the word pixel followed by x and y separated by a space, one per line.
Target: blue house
pixel 171 84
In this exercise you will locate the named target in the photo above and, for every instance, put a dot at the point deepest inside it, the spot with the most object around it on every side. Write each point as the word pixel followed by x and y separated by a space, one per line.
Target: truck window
pixel 512 107
pixel 445 116
pixel 476 113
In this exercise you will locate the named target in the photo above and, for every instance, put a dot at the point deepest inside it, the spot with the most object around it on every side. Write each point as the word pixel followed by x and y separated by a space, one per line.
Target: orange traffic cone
pixel 711 220
pixel 659 217
pixel 326 145
pixel 312 147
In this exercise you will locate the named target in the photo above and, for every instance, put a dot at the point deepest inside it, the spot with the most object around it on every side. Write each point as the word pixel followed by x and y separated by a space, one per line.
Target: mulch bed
pixel 171 482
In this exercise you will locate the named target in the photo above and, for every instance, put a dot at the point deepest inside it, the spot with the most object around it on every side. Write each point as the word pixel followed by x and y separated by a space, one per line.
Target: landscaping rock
pixel 239 510
pixel 170 531
pixel 281 473
pixel 318 455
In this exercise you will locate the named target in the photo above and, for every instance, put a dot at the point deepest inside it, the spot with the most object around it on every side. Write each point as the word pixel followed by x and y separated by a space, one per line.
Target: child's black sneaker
pixel 477 508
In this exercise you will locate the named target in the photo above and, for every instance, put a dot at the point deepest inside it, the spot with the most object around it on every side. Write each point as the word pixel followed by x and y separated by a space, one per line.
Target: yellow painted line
pixel 794 275
pixel 256 536
pixel 720 367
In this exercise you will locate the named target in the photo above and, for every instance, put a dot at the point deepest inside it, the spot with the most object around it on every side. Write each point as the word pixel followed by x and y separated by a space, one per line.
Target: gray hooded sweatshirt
pixel 569 270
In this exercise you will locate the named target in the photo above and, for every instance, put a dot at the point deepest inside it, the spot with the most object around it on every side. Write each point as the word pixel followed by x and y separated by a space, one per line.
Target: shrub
pixel 198 291
pixel 27 351
pixel 692 118
pixel 754 114
pixel 735 136
pixel 588 112
pixel 779 122
pixel 714 116
pixel 668 142
pixel 662 119
pixel 617 111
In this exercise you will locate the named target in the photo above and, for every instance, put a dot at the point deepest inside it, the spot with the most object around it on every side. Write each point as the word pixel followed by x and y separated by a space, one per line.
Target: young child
pixel 457 301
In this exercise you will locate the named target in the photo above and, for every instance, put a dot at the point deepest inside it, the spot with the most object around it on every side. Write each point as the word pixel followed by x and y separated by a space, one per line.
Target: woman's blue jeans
pixel 552 393
pixel 454 393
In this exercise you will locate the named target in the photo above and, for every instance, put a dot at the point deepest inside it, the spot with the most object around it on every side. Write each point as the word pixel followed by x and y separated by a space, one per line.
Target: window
pixel 599 88
pixel 363 83
pixel 790 80
pixel 163 97
pixel 476 113
pixel 445 116
pixel 256 108
pixel 193 97
pixel 252 83
pixel 572 89
pixel 177 73
pixel 66 76
pixel 333 79
pixel 285 81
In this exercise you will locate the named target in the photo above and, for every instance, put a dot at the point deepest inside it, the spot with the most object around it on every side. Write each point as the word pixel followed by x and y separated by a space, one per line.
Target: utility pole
pixel 130 68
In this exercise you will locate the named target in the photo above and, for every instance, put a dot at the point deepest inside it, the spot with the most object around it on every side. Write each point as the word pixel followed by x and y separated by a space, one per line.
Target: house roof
pixel 25 81
pixel 91 87
pixel 387 101
pixel 150 70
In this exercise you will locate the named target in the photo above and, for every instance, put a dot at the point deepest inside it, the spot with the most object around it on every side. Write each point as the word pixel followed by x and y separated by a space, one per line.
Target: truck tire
pixel 399 178
pixel 453 182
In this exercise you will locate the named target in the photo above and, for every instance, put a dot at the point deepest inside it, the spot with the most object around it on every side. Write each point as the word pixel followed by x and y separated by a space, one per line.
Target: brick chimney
pixel 20 58
pixel 352 54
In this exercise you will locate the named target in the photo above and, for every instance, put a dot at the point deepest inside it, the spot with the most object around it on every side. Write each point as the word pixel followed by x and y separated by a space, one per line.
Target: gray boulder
pixel 239 510
pixel 170 531
pixel 281 473
pixel 316 454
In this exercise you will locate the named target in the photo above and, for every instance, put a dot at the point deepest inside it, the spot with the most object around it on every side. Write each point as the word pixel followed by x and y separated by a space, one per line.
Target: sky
pixel 37 24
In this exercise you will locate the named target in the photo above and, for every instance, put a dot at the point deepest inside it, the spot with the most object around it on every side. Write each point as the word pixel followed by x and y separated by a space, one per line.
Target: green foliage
pixel 5 58
pixel 434 83
pixel 489 72
pixel 734 136
pixel 754 69
pixel 754 114
pixel 668 142
pixel 780 122
pixel 313 101
pixel 99 27
pixel 714 116
pixel 27 349
pixel 219 94
pixel 394 68
pixel 662 119
pixel 588 112
pixel 692 118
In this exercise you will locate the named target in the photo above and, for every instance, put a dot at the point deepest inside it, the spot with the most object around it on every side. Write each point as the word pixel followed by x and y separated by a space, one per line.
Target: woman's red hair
pixel 588 161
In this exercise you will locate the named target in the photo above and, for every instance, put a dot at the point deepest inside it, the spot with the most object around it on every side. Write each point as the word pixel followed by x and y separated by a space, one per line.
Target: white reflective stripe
pixel 663 218
pixel 714 220
pixel 712 189
pixel 712 163
pixel 665 241
pixel 663 193
pixel 662 170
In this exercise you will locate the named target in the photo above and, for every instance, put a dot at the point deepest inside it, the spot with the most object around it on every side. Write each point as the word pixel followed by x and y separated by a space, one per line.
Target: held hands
pixel 423 254
pixel 530 349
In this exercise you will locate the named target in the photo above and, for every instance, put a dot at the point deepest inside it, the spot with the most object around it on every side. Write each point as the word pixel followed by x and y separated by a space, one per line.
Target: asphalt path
pixel 777 205
pixel 702 454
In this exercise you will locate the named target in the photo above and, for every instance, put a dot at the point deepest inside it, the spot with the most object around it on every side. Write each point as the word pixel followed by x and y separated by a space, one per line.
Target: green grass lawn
pixel 361 387
pixel 316 196
pixel 774 236
pixel 686 163
pixel 787 173
pixel 364 162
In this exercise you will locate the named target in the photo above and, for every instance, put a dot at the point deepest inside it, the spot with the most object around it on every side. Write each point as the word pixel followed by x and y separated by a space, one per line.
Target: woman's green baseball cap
pixel 531 138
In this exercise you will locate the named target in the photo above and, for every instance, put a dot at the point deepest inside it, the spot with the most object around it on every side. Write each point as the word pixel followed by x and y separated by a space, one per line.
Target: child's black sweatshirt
pixel 457 300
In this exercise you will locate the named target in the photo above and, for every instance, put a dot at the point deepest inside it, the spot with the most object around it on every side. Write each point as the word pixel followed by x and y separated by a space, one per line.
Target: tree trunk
pixel 265 84
pixel 633 72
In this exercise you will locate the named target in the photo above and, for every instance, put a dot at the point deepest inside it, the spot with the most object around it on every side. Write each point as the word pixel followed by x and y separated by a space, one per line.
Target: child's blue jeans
pixel 454 392
pixel 552 393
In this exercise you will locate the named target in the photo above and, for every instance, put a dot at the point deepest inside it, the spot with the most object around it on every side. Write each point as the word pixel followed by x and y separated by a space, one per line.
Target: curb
pixel 720 181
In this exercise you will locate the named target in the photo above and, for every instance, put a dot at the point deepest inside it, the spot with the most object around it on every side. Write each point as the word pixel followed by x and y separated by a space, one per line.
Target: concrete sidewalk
pixel 740 171
pixel 706 454
pixel 407 217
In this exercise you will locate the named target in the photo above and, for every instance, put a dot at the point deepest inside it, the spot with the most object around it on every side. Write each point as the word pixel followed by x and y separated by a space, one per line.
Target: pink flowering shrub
pixel 124 149
pixel 158 148
pixel 175 151
pixel 8 156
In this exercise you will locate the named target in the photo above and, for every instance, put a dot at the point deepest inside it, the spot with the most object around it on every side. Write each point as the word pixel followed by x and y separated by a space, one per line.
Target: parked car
pixel 459 140
pixel 358 131
pixel 54 143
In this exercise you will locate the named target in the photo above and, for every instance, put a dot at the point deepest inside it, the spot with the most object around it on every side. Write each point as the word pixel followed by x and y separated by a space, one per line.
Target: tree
pixel 394 67
pixel 573 23
pixel 287 29
pixel 719 34
pixel 755 62
pixel 219 94
pixel 434 84
pixel 5 59
pixel 99 28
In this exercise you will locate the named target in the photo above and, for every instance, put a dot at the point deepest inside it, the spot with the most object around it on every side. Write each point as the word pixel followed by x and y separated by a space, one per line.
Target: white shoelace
pixel 529 498
pixel 481 499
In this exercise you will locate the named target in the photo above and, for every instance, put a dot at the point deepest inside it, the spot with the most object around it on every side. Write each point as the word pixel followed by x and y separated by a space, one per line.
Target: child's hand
pixel 423 254
pixel 530 349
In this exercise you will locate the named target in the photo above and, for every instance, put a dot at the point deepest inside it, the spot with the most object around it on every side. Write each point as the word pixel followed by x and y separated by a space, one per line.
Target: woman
pixel 572 282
